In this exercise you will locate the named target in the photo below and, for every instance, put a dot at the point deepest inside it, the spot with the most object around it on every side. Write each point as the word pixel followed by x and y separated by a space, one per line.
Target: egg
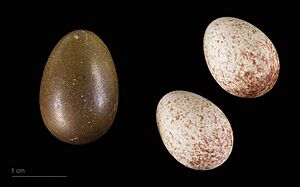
pixel 79 89
pixel 240 57
pixel 194 130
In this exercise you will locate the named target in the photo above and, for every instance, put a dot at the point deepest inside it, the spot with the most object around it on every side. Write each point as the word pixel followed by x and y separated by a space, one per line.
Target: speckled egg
pixel 79 89
pixel 240 57
pixel 194 130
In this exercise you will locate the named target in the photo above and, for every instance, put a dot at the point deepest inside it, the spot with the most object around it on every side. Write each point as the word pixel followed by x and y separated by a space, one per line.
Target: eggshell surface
pixel 240 57
pixel 194 130
pixel 79 89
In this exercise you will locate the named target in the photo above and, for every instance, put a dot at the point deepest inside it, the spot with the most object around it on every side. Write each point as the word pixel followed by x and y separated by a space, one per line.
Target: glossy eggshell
pixel 240 57
pixel 79 89
pixel 194 130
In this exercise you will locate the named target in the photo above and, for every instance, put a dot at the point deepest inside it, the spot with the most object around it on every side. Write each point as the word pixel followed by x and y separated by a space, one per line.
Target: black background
pixel 156 49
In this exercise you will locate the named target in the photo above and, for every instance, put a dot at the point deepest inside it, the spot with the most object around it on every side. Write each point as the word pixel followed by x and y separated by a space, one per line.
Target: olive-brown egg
pixel 79 89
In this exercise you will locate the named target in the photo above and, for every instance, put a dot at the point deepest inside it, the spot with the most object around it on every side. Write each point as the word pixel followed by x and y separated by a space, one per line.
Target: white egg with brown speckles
pixel 194 130
pixel 240 57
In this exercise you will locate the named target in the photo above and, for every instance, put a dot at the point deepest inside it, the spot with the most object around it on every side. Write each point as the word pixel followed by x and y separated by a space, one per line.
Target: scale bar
pixel 39 176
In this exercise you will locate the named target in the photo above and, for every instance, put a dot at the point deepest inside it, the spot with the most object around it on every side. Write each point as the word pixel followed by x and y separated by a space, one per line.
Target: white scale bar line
pixel 38 176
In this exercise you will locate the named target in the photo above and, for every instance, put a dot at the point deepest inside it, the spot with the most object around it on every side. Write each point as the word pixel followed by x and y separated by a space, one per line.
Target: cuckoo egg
pixel 240 57
pixel 194 130
pixel 79 89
